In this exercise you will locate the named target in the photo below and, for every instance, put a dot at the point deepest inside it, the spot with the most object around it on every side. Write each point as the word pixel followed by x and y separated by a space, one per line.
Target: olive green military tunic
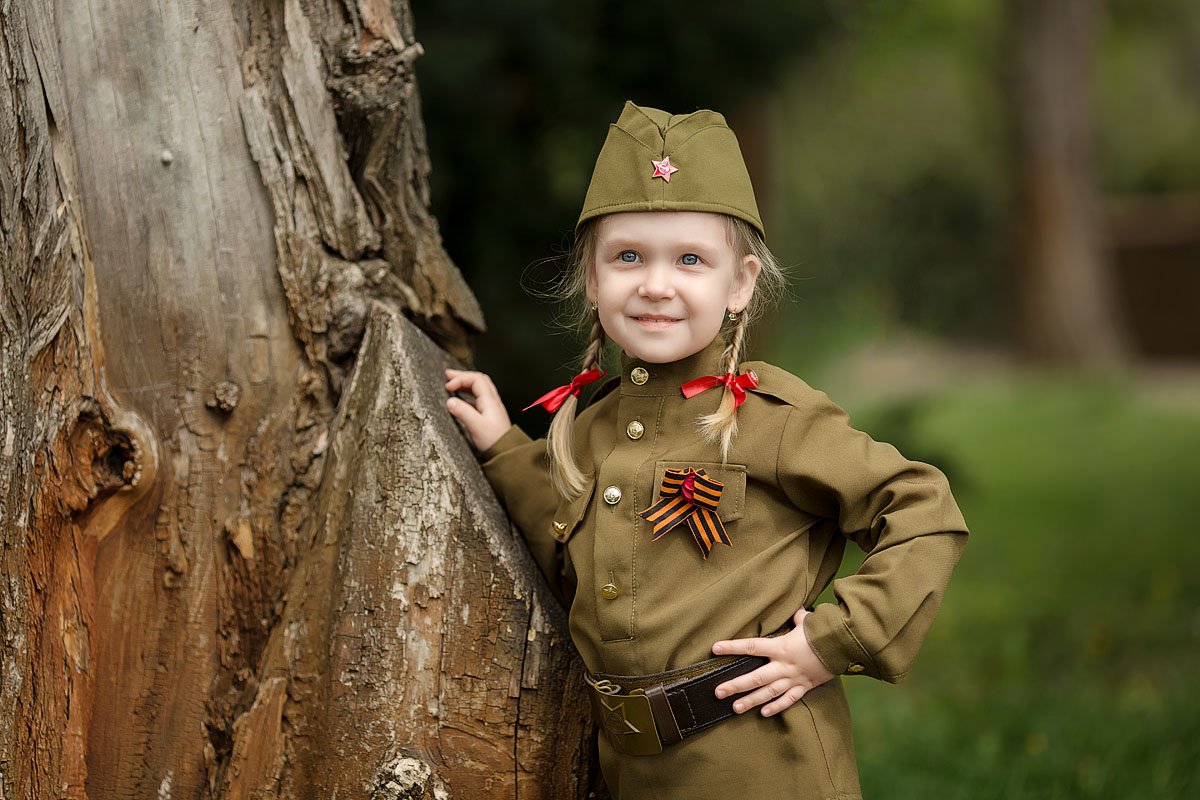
pixel 799 481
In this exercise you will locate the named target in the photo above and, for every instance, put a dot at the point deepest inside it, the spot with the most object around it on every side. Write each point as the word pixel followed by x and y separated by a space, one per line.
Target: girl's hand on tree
pixel 794 669
pixel 485 419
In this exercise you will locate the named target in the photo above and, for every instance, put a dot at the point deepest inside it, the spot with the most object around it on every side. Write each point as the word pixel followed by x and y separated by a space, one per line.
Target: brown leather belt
pixel 640 714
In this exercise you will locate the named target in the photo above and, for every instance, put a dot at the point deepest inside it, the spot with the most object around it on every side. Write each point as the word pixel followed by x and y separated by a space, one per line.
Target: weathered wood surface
pixel 72 461
pixel 199 204
pixel 417 625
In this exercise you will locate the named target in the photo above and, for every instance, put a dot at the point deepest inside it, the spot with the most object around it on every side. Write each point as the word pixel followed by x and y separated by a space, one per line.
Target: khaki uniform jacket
pixel 799 482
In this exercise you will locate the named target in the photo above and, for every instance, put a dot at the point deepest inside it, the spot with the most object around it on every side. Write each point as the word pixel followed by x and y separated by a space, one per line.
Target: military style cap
pixel 655 161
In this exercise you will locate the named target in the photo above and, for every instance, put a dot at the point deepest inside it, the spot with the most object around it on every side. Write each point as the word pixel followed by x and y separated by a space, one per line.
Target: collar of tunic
pixel 665 379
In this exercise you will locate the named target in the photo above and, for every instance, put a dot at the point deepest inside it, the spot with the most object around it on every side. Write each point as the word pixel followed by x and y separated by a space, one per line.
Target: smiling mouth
pixel 657 319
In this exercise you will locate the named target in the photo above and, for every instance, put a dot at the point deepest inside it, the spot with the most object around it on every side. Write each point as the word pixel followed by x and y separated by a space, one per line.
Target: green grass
pixel 1064 662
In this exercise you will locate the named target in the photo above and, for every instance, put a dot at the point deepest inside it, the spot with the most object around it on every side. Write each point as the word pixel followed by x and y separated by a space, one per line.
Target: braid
pixel 565 474
pixel 594 353
pixel 737 338
pixel 720 426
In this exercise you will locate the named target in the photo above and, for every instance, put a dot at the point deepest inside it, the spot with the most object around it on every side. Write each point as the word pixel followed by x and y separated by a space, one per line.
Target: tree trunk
pixel 1064 289
pixel 246 552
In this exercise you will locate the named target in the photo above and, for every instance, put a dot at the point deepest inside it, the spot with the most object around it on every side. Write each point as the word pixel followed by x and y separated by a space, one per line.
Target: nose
pixel 656 282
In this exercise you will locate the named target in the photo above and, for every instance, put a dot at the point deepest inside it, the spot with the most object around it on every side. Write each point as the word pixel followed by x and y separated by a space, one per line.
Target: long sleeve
pixel 517 467
pixel 900 512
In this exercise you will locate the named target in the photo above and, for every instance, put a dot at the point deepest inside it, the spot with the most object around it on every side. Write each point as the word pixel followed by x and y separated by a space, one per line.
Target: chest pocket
pixel 569 513
pixel 733 494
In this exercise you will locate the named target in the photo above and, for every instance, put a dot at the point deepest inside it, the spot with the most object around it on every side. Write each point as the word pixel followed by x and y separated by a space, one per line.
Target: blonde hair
pixel 719 427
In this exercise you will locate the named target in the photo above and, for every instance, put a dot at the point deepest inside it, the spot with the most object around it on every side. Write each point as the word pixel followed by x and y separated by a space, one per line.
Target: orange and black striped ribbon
pixel 691 496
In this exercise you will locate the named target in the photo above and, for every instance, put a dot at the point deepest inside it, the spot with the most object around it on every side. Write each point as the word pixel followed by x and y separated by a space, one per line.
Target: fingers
pixel 778 694
pixel 479 385
pixel 778 684
pixel 792 671
pixel 763 676
pixel 484 415
pixel 776 689
pixel 759 646
pixel 789 698
pixel 462 410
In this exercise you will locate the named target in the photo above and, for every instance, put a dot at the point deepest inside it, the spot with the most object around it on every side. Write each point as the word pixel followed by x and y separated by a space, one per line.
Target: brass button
pixel 609 591
pixel 635 429
pixel 855 668
pixel 639 375
pixel 612 495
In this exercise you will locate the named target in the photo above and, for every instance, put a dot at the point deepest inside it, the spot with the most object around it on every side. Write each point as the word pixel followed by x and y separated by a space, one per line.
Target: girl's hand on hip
pixel 485 419
pixel 794 669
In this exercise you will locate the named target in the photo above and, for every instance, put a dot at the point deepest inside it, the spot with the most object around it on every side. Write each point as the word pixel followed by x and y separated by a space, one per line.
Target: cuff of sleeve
pixel 835 644
pixel 513 437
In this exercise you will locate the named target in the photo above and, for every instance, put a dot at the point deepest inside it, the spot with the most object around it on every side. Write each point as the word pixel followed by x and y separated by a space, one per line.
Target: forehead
pixel 664 227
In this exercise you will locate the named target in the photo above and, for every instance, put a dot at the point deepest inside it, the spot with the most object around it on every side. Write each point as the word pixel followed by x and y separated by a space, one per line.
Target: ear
pixel 743 283
pixel 592 285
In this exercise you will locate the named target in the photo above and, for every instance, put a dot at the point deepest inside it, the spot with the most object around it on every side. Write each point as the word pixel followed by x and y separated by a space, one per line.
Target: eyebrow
pixel 637 244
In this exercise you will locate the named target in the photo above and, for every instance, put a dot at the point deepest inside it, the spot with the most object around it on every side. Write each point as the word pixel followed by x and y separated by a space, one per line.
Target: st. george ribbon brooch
pixel 663 169
pixel 693 496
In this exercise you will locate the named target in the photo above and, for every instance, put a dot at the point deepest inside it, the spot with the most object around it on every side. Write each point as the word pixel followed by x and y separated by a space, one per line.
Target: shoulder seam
pixel 790 388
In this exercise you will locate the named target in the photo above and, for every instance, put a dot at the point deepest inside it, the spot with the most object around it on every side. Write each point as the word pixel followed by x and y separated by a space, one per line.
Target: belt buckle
pixel 626 719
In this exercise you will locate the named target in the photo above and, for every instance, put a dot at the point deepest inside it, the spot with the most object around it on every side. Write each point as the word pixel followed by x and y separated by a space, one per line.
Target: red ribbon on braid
pixel 553 399
pixel 738 384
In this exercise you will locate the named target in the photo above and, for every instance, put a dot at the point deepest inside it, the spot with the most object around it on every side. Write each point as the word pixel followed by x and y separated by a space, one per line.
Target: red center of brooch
pixel 689 485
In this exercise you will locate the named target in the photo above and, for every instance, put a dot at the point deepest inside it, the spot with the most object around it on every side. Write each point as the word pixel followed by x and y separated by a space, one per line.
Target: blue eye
pixel 691 259
pixel 628 256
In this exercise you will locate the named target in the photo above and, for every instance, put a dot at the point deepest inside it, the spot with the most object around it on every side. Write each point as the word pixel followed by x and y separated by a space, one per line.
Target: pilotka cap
pixel 655 161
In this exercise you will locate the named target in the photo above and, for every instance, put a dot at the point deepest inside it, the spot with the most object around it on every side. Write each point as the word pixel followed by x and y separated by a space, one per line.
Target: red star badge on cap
pixel 663 169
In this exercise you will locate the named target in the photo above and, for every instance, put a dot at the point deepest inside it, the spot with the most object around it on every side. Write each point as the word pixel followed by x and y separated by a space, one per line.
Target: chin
pixel 656 355
pixel 651 358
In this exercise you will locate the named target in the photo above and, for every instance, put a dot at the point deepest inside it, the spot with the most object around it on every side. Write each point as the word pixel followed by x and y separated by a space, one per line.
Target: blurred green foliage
pixel 1149 96
pixel 892 148
pixel 893 141
pixel 1063 663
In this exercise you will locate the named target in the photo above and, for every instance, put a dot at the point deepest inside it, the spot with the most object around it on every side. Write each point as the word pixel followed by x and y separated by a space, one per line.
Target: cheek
pixel 613 286
pixel 711 296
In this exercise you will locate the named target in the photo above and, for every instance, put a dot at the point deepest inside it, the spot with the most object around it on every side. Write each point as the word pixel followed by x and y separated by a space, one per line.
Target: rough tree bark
pixel 246 553
pixel 1064 288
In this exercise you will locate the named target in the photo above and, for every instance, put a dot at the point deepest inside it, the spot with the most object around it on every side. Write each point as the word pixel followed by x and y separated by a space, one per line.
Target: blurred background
pixel 990 214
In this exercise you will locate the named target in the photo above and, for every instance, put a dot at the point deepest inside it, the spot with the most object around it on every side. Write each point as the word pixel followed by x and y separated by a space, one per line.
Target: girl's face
pixel 664 280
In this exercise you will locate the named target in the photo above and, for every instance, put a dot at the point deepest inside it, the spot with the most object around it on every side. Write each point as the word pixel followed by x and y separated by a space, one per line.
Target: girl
pixel 690 531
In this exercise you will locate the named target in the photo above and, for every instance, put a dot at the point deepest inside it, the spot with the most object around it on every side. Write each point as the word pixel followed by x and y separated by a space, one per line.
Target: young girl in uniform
pixel 692 513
